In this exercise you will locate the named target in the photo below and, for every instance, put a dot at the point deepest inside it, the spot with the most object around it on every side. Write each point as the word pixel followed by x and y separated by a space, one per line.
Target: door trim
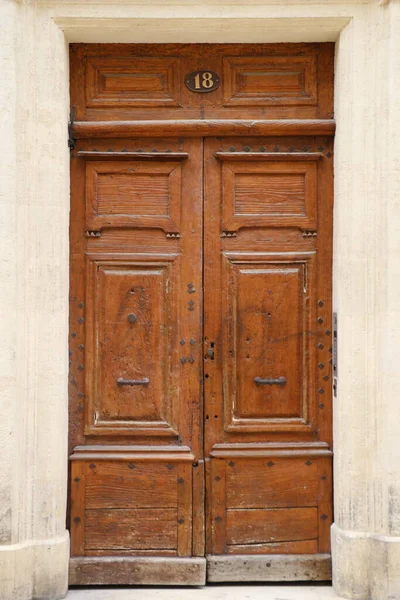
pixel 202 128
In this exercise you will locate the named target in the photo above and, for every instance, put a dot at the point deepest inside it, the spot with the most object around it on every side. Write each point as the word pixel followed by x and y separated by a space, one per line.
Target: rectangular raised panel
pixel 133 193
pixel 270 505
pixel 265 81
pixel 115 485
pixel 136 194
pixel 269 339
pixel 132 82
pixel 269 193
pixel 145 529
pixel 264 194
pixel 267 357
pixel 128 340
pixel 258 483
pixel 263 526
pixel 131 505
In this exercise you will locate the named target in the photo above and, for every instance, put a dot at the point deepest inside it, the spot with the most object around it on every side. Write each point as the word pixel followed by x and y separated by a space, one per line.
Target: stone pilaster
pixel 366 533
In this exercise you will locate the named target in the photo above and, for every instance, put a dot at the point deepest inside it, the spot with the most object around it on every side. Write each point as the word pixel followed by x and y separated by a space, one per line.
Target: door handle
pixel 261 381
pixel 122 381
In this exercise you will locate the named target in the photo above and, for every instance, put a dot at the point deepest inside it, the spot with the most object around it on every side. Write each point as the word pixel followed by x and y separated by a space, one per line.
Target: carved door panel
pixel 268 358
pixel 136 362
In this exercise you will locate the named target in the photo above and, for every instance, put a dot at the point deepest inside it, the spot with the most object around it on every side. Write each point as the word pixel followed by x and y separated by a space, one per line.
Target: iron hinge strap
pixel 71 139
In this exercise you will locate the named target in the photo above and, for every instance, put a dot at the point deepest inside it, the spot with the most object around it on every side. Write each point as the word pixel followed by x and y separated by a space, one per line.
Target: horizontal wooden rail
pixel 97 155
pixel 272 156
pixel 201 128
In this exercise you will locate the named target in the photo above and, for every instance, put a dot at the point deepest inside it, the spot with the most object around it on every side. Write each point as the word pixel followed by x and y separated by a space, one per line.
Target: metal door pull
pixel 261 381
pixel 122 381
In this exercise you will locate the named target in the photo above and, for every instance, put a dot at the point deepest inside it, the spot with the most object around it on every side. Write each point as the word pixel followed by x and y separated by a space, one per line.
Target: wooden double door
pixel 200 349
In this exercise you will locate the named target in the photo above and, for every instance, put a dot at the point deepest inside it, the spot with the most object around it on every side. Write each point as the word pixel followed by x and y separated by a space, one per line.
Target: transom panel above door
pixel 200 322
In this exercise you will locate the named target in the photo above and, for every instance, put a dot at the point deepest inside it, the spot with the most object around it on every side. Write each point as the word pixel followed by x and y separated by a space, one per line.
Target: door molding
pixel 202 128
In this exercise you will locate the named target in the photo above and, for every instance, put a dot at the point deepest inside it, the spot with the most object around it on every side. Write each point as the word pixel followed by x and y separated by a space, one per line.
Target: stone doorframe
pixel 34 205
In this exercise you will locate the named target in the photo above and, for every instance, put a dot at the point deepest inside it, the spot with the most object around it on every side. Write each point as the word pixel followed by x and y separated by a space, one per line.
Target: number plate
pixel 202 81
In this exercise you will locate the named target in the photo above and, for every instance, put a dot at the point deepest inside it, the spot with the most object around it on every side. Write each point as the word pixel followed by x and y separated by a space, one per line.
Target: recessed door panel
pixel 267 193
pixel 130 378
pixel 267 352
pixel 133 193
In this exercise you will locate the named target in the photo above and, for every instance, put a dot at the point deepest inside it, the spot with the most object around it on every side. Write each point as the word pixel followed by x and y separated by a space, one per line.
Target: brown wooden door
pixel 267 355
pixel 136 390
pixel 200 323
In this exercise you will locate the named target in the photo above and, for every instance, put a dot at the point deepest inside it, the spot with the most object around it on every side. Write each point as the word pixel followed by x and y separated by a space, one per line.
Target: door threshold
pixel 264 567
pixel 136 570
pixel 195 571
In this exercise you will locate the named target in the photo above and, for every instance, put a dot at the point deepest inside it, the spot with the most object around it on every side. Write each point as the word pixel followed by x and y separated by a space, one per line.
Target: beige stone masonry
pixel 34 206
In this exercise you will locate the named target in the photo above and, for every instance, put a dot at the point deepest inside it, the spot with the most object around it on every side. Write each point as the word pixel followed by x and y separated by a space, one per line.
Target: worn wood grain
pixel 136 529
pixel 275 482
pixel 299 547
pixel 131 485
pixel 261 526
pixel 202 128
pixel 279 567
pixel 137 571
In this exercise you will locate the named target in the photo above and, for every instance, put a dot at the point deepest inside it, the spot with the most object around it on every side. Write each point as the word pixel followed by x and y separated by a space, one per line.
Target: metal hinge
pixel 335 353
pixel 71 140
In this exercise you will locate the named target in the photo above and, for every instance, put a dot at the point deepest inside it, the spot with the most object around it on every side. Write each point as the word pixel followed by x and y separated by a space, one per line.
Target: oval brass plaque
pixel 202 81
